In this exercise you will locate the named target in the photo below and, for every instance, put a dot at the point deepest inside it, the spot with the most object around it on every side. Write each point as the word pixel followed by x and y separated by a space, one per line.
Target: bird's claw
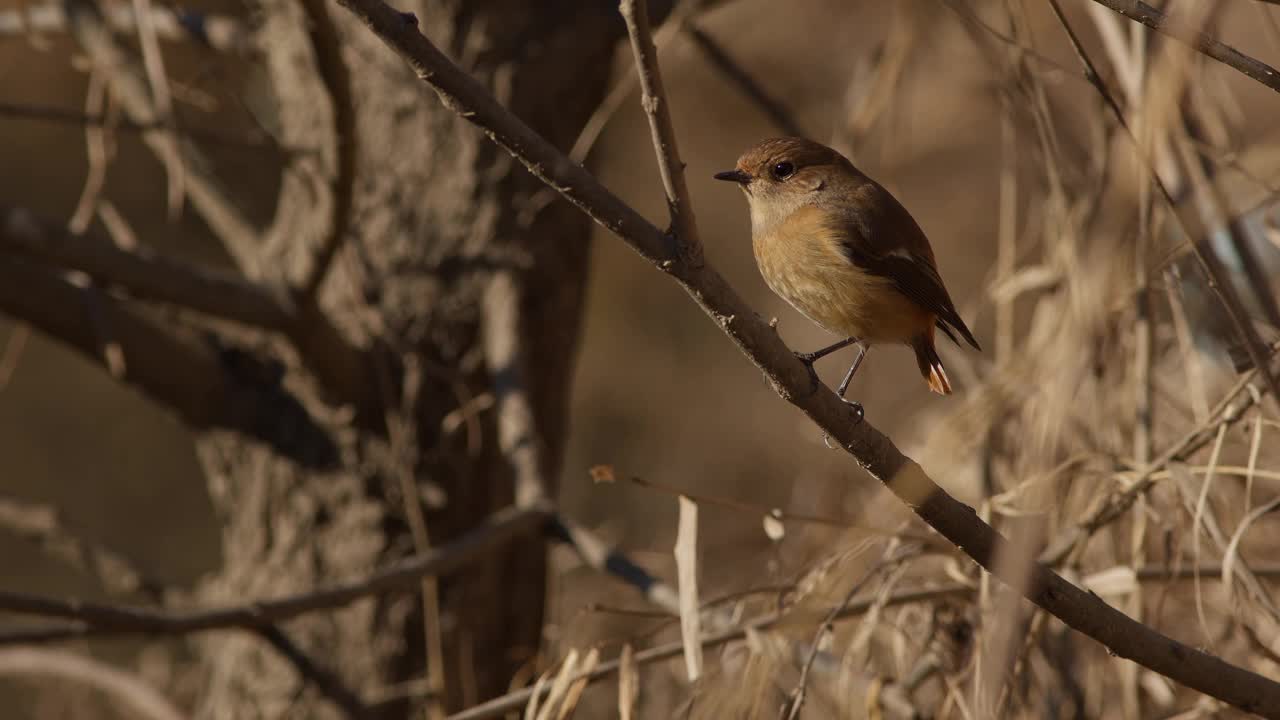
pixel 858 413
pixel 808 359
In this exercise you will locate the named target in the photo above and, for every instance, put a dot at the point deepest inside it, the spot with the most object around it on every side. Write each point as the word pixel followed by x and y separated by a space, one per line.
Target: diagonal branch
pixel 52 114
pixel 100 619
pixel 329 684
pixel 146 273
pixel 343 370
pixel 1196 39
pixel 208 384
pixel 870 448
pixel 777 112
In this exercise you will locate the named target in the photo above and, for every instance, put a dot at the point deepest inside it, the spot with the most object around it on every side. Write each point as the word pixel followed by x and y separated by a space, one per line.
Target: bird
pixel 839 248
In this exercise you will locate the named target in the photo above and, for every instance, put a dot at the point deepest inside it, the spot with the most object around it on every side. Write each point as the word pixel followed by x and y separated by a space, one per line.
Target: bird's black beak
pixel 734 176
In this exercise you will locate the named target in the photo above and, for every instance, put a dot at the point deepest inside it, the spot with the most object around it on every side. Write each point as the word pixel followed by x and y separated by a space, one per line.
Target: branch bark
pixel 654 100
pixel 1196 39
pixel 868 446
pixel 145 273
pixel 99 619
pixel 207 383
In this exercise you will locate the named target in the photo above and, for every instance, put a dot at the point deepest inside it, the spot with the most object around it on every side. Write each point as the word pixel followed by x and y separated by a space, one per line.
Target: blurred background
pixel 1103 348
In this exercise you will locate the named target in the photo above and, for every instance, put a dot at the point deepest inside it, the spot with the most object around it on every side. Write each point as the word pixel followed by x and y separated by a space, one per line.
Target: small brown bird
pixel 845 253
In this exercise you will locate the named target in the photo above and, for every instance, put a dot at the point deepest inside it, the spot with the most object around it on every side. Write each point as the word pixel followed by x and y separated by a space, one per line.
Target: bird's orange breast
pixel 802 259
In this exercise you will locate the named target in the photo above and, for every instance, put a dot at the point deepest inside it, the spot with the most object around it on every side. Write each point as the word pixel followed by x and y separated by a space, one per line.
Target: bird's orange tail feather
pixel 930 364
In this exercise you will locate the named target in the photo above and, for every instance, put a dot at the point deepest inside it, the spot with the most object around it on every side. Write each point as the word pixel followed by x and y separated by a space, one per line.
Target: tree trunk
pixel 437 214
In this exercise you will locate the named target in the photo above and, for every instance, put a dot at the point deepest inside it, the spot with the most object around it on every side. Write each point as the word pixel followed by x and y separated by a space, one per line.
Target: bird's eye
pixel 783 170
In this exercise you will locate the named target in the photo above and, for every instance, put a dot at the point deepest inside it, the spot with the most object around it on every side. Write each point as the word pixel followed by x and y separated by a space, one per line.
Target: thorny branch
pixel 871 449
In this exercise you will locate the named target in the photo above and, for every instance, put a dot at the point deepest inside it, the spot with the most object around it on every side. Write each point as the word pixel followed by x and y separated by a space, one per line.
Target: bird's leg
pixel 812 357
pixel 844 386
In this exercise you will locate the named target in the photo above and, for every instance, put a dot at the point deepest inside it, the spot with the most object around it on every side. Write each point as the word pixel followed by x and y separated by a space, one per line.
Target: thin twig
pixel 796 700
pixel 100 619
pixel 1218 278
pixel 98 150
pixel 517 699
pixel 871 449
pixel 1230 410
pixel 328 683
pixel 599 556
pixel 90 119
pixel 776 111
pixel 654 100
pixel 162 101
pixel 337 81
pixel 41 525
pixel 129 88
pixel 1195 38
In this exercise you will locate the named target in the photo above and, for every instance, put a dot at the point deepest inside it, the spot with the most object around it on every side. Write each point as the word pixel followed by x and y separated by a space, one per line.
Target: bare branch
pixel 778 113
pixel 41 525
pixel 1233 408
pixel 206 383
pixel 99 619
pixel 871 449
pixel 654 100
pixel 129 88
pixel 329 684
pixel 1196 39
pixel 344 370
pixel 126 689
pixel 76 117
pixel 337 81
pixel 145 273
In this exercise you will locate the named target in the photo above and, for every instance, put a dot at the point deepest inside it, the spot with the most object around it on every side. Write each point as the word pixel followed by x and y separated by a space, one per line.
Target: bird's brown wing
pixel 890 244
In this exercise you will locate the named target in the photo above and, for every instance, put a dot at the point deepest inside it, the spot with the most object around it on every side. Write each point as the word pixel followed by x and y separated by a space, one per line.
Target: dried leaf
pixel 1232 554
pixel 686 552
pixel 1118 580
pixel 531 709
pixel 628 683
pixel 560 687
pixel 773 526
pixel 1158 689
pixel 575 690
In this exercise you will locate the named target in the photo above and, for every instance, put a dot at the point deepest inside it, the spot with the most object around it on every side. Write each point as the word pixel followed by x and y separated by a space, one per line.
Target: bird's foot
pixel 858 415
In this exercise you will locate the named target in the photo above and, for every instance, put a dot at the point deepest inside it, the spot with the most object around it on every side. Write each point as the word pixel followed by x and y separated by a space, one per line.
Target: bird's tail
pixel 930 364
